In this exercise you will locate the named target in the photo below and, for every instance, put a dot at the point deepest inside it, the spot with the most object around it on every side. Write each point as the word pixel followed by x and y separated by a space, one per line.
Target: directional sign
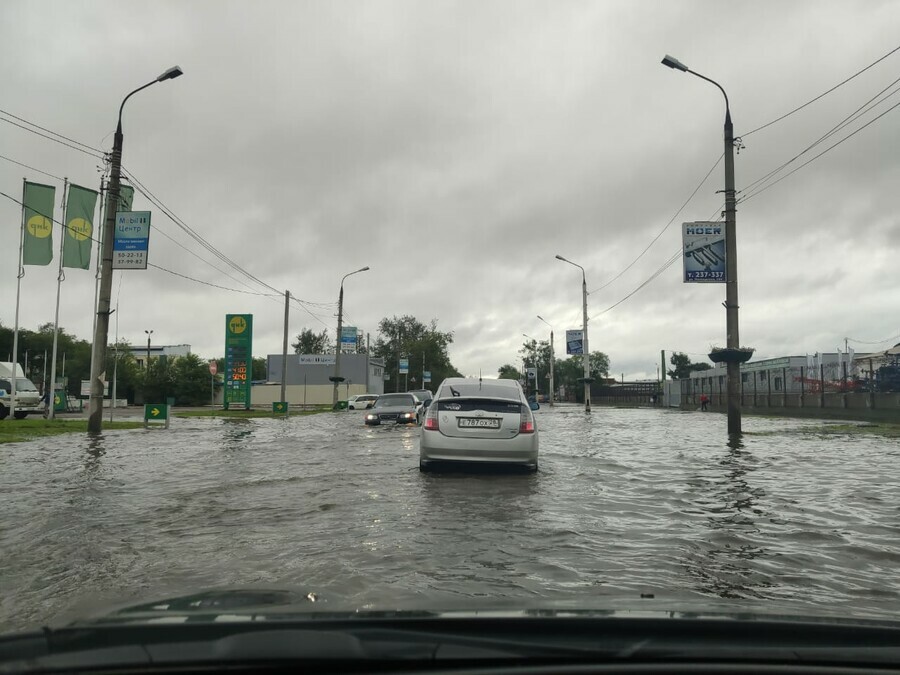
pixel 279 406
pixel 131 240
pixel 156 411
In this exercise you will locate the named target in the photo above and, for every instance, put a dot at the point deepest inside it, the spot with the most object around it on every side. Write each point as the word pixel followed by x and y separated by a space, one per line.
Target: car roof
pixel 513 384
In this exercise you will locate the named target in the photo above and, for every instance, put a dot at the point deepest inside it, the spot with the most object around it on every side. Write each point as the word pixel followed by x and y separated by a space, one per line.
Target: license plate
pixel 479 422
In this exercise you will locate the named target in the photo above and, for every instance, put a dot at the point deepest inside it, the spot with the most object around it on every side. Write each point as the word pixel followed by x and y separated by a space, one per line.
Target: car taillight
pixel 526 422
pixel 431 419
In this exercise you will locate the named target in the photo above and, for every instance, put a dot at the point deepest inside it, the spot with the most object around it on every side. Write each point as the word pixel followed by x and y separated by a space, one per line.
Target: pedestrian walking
pixel 704 402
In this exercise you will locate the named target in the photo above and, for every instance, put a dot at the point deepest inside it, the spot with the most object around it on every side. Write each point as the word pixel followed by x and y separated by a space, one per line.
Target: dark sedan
pixel 394 409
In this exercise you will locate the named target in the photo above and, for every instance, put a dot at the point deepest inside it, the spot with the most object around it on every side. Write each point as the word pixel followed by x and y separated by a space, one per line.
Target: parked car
pixel 475 420
pixel 361 401
pixel 28 399
pixel 394 409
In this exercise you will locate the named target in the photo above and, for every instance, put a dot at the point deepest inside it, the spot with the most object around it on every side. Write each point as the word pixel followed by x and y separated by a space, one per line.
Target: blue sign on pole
pixel 574 342
pixel 131 240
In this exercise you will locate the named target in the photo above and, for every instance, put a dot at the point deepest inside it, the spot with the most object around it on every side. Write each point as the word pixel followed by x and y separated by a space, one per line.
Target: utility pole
pixel 733 342
pixel 101 330
pixel 284 348
pixel 336 379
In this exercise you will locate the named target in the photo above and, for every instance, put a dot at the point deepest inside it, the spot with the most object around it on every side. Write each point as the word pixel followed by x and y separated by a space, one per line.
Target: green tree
pixel 683 366
pixel 571 370
pixel 309 342
pixel 190 379
pixel 408 337
pixel 508 372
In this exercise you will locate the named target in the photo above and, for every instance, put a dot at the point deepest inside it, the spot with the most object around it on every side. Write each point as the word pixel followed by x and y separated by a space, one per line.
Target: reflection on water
pixel 627 503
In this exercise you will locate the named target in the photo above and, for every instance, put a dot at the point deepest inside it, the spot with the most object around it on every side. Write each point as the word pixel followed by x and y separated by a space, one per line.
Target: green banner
pixel 38 248
pixel 238 359
pixel 126 197
pixel 79 229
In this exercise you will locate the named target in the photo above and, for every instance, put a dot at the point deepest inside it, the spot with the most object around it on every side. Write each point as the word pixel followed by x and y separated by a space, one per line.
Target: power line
pixel 206 283
pixel 671 220
pixel 840 84
pixel 50 131
pixel 856 114
pixel 31 168
pixel 876 342
pixel 97 154
pixel 811 160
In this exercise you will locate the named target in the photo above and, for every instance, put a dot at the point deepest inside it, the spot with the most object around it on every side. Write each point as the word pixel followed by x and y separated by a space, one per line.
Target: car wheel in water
pixel 4 412
pixel 20 415
pixel 423 467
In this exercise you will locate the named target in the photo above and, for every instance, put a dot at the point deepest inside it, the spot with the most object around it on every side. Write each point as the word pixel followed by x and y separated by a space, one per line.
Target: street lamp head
pixel 559 257
pixel 672 62
pixel 171 74
pixel 365 269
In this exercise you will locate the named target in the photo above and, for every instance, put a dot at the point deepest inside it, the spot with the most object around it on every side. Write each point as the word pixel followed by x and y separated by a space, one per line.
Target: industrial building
pixel 307 378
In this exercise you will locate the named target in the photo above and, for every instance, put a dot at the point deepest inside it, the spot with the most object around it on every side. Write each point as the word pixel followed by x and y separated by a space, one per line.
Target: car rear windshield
pixel 485 390
pixel 486 404
pixel 395 399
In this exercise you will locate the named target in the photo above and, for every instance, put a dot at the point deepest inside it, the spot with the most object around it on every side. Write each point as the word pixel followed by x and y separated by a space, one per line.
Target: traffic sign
pixel 131 240
pixel 156 412
pixel 279 406
pixel 213 368
pixel 404 366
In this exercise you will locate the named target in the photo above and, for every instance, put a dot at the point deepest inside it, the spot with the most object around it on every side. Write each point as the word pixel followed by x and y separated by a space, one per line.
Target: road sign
pixel 532 373
pixel 279 406
pixel 426 376
pixel 213 368
pixel 156 411
pixel 348 338
pixel 131 240
pixel 404 366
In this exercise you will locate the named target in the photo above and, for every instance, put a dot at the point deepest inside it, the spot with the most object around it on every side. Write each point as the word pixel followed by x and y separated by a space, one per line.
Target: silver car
pixel 476 420
pixel 394 409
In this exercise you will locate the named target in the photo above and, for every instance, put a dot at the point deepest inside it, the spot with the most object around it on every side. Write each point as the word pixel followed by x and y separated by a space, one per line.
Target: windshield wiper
pixel 454 392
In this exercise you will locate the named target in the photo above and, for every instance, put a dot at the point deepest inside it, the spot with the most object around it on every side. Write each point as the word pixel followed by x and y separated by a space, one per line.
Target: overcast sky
pixel 455 148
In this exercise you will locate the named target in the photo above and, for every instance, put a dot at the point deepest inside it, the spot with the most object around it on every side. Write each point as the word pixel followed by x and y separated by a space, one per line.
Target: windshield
pixel 395 400
pixel 645 254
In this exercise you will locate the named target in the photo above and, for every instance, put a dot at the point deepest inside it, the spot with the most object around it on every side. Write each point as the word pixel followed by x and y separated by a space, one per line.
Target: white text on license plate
pixel 480 422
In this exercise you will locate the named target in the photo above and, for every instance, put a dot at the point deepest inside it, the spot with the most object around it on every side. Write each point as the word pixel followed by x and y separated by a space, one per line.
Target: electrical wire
pixel 811 160
pixel 840 84
pixel 206 283
pixel 876 342
pixel 752 188
pixel 96 154
pixel 50 131
pixel 671 220
pixel 31 168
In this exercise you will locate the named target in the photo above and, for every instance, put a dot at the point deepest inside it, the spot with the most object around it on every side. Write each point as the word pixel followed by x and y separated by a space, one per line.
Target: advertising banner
pixel 574 342
pixel 131 240
pixel 704 252
pixel 316 359
pixel 348 338
pixel 238 360
pixel 404 366
pixel 426 376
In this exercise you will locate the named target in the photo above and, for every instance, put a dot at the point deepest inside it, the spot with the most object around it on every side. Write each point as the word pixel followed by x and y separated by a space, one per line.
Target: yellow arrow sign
pixel 155 412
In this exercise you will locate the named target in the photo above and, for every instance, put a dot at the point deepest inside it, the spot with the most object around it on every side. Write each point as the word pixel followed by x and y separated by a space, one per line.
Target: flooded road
pixel 627 502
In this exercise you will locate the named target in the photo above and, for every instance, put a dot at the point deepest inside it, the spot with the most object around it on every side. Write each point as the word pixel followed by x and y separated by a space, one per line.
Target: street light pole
pixel 586 352
pixel 337 354
pixel 534 342
pixel 149 333
pixel 552 360
pixel 101 329
pixel 733 343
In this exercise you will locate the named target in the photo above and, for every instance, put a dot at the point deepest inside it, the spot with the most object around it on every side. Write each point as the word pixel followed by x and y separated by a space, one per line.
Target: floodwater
pixel 627 502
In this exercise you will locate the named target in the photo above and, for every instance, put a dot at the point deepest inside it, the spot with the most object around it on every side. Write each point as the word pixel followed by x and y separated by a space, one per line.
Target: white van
pixel 28 399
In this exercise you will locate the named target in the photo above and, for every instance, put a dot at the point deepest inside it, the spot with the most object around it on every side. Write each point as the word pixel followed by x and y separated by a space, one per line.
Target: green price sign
pixel 238 359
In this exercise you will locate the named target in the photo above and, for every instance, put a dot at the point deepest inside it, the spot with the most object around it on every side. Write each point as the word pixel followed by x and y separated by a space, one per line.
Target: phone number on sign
pixel 706 275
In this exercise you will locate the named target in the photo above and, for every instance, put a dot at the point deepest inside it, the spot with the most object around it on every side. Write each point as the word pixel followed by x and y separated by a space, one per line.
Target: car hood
pixel 279 604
